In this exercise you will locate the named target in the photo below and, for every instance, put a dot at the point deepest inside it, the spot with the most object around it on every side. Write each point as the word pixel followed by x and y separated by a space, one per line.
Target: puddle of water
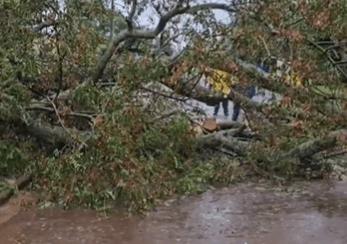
pixel 303 212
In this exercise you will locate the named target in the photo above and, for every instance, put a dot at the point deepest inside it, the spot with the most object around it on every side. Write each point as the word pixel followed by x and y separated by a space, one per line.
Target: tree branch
pixel 125 34
pixel 265 45
pixel 329 58
pixel 164 95
pixel 129 20
pixel 44 25
pixel 60 64
pixel 341 62
pixel 219 140
pixel 175 36
pixel 166 115
pixel 157 8
pixel 62 122
pixel 310 148
pixel 76 114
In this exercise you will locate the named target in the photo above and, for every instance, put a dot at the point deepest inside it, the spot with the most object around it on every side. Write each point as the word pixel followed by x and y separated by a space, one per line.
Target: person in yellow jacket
pixel 222 81
pixel 285 73
pixel 293 80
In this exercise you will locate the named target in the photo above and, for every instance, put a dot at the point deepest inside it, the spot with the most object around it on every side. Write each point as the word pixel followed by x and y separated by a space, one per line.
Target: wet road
pixel 253 213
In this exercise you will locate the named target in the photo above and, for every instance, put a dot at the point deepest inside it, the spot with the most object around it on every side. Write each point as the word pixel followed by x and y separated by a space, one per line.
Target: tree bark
pixel 303 154
pixel 225 125
pixel 133 33
pixel 310 148
pixel 55 136
pixel 224 139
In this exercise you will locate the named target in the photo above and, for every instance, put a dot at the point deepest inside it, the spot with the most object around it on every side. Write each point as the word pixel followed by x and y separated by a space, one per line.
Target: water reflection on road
pixel 253 213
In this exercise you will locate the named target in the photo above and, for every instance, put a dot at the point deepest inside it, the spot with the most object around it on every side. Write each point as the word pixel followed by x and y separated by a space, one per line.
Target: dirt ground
pixel 252 213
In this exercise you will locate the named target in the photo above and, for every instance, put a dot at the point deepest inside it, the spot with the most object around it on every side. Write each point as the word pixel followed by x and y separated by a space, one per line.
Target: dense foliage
pixel 91 142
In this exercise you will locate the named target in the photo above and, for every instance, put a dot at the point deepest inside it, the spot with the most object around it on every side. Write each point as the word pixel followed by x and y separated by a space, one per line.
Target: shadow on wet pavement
pixel 253 213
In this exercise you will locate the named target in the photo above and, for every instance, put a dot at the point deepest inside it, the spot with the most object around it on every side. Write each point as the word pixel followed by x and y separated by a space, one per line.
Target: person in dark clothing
pixel 225 103
pixel 250 91
pixel 263 66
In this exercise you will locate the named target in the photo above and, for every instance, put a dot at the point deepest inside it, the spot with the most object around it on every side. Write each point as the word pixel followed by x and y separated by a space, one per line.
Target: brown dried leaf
pixel 287 101
pixel 98 120
pixel 65 111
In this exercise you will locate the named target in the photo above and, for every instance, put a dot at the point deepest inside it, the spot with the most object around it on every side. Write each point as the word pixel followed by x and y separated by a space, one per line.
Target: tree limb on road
pixel 219 140
pixel 310 148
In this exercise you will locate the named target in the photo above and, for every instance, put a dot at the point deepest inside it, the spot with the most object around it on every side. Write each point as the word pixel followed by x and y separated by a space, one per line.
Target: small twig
pixel 102 84
pixel 329 58
pixel 112 21
pixel 109 98
pixel 163 95
pixel 166 115
pixel 45 24
pixel 61 122
pixel 337 153
pixel 240 130
pixel 77 114
pixel 129 20
pixel 295 22
pixel 189 80
pixel 331 48
pixel 325 43
pixel 60 64
pixel 265 45
pixel 177 57
pixel 227 152
pixel 156 8
pixel 249 121
pixel 291 51
pixel 175 36
pixel 341 62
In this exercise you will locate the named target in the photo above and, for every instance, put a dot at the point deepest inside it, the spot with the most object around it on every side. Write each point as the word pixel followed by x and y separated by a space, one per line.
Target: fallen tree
pixel 134 115
pixel 225 139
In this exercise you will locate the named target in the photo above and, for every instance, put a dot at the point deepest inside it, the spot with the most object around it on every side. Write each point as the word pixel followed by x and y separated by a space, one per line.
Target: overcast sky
pixel 150 12
pixel 149 18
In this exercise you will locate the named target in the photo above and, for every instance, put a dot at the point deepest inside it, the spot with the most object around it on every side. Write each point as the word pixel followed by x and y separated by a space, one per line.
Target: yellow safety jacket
pixel 222 81
pixel 294 80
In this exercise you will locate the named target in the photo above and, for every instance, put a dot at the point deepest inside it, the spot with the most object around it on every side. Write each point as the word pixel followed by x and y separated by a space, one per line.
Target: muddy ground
pixel 252 213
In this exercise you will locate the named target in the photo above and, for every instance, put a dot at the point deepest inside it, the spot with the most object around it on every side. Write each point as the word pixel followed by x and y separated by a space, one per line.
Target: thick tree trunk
pixel 310 148
pixel 225 125
pixel 224 139
pixel 302 155
pixel 52 137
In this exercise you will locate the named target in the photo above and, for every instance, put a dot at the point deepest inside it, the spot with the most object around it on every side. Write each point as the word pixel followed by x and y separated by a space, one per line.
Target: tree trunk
pixel 224 139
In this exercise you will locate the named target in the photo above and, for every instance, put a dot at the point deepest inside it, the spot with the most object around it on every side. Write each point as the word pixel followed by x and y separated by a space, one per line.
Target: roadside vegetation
pixel 91 108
